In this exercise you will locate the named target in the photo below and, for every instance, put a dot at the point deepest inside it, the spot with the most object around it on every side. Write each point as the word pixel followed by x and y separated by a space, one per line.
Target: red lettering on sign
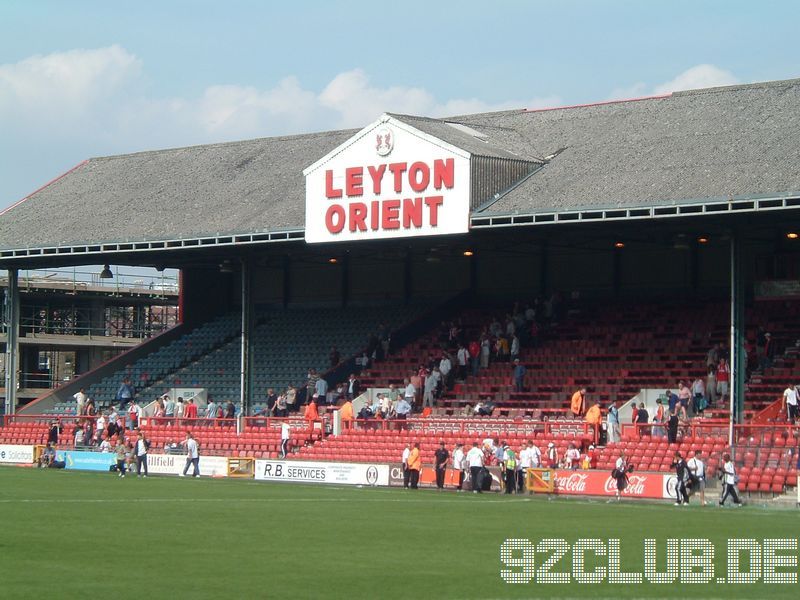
pixel 330 191
pixel 412 212
pixel 419 176
pixel 443 173
pixel 391 214
pixel 397 170
pixel 353 181
pixel 358 216
pixel 376 173
pixel 375 215
pixel 334 218
pixel 433 203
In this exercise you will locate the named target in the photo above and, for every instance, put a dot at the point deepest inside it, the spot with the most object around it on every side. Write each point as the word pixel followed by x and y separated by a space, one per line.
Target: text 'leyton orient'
pixel 406 208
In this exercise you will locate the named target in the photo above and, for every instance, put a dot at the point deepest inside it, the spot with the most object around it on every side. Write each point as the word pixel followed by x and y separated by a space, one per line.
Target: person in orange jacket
pixel 594 417
pixel 414 465
pixel 346 413
pixel 311 414
pixel 578 402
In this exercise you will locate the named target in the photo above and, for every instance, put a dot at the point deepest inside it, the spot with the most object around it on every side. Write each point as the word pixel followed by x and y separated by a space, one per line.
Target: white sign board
pixel 16 454
pixel 322 472
pixel 173 464
pixel 388 181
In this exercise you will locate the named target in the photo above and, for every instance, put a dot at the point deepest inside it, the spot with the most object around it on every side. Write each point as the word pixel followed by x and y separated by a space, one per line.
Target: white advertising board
pixel 16 454
pixel 388 181
pixel 173 464
pixel 297 471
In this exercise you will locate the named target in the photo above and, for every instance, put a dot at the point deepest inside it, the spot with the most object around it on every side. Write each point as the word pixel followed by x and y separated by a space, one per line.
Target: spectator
pixel 620 474
pixel 311 413
pixel 699 395
pixel 410 391
pixel 684 396
pixel 723 379
pixel 120 451
pixel 711 386
pixel 353 387
pixel 272 402
pixel 140 451
pixel 519 376
pixel 169 407
pixel 474 356
pixel 458 465
pixel 697 474
pixel 642 419
pixel 486 347
pixel 79 436
pixel 134 414
pixel 682 476
pixel 445 370
pixel 403 408
pixel 729 481
pixel 769 351
pixel 404 462
pixel 475 462
pixel 211 409
pixel 462 358
pixel 53 432
pixel 321 388
pixel 441 457
pixel 291 397
pixel 431 384
pixel 514 350
pixel 100 427
pixel 346 413
pixel 572 457
pixel 192 456
pixel 190 411
pixel 578 402
pixel 230 410
pixel 335 357
pixel 414 465
pixel 713 356
pixel 126 391
pixel 509 469
pixel 552 456
pixel 612 421
pixel 789 405
pixel 286 435
pixel 48 456
pixel 501 349
pixel 386 405
pixel 180 408
pixel 659 419
pixel 365 412
pixel 281 406
pixel 672 426
pixel 80 401
pixel 311 383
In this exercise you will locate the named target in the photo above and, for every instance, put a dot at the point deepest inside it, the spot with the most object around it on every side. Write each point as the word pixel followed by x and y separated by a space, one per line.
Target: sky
pixel 85 78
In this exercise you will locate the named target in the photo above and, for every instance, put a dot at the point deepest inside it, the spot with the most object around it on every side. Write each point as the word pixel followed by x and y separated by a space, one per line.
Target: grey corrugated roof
pixel 722 142
pixel 702 144
pixel 249 186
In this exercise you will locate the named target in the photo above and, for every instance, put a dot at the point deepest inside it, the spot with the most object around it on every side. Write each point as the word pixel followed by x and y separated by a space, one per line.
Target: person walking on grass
pixel 729 481
pixel 140 452
pixel 192 456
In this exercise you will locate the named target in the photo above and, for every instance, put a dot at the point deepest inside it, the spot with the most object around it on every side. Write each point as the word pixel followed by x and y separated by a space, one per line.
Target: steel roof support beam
pixel 12 340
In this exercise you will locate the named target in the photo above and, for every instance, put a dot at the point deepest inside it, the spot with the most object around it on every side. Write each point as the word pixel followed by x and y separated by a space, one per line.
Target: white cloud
pixel 694 78
pixel 59 108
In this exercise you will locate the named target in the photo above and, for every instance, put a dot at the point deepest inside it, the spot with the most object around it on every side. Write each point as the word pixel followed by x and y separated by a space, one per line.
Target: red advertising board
pixel 600 483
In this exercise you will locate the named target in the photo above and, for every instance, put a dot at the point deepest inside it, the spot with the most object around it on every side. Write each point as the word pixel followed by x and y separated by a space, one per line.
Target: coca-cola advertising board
pixel 600 483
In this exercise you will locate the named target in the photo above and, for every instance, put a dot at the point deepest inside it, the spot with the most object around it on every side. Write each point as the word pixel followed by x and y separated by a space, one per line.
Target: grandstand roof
pixel 721 143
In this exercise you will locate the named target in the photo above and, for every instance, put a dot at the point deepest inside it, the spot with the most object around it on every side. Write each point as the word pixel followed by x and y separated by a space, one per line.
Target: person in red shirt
pixel 190 412
pixel 474 356
pixel 723 379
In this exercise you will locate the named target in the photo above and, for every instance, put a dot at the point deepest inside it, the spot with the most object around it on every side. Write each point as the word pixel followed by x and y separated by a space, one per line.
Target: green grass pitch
pixel 93 535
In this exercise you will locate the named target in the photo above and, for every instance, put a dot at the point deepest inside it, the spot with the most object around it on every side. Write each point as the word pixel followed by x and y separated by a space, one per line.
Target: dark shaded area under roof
pixel 704 144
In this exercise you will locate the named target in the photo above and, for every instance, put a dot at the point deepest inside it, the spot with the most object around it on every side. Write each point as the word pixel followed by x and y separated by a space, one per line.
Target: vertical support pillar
pixel 737 338
pixel 247 331
pixel 12 347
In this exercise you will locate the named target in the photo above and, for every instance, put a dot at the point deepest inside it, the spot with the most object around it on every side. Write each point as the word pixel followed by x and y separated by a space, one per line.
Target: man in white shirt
pixel 192 456
pixel 572 457
pixel 729 481
pixel 475 462
pixel 140 451
pixel 406 471
pixel 463 358
pixel 410 392
pixel 698 470
pixel 458 465
pixel 445 366
pixel 286 434
pixel 790 403
pixel 100 426
pixel 525 463
pixel 80 401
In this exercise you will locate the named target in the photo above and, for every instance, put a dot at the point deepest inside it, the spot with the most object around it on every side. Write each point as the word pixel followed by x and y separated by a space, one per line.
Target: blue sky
pixel 90 78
